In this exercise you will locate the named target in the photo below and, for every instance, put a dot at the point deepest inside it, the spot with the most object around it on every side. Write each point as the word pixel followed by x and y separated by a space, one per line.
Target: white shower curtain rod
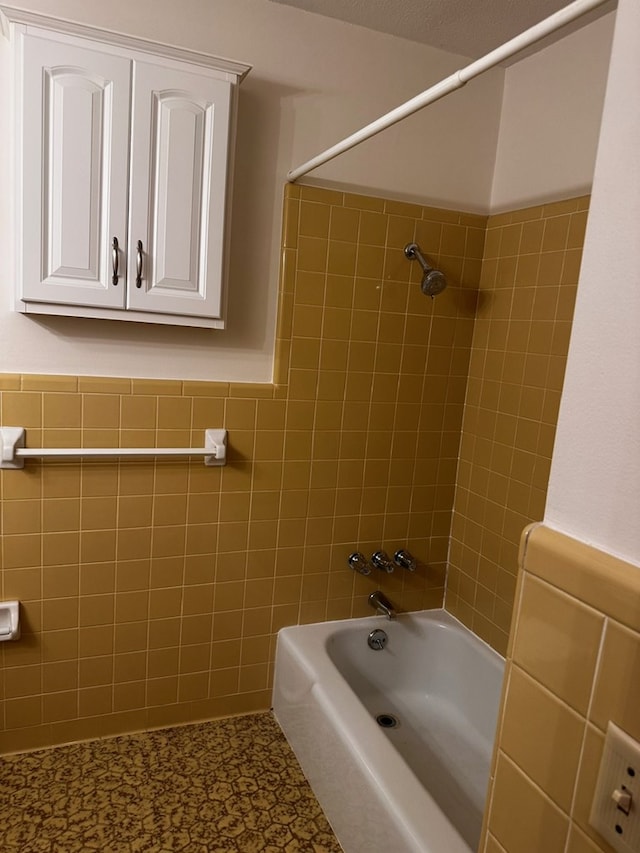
pixel 455 81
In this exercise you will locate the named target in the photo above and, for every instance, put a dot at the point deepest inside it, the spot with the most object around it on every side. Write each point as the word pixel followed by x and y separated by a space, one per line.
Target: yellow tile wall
pixel 152 591
pixel 573 664
pixel 520 341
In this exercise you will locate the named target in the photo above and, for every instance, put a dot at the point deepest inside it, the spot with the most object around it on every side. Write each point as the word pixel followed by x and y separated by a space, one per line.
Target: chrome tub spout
pixel 381 603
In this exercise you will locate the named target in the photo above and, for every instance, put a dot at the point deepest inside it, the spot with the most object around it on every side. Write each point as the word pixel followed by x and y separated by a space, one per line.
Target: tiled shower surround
pixel 518 356
pixel 152 591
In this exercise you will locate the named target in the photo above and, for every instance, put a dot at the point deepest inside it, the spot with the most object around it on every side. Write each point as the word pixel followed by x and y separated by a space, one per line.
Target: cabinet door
pixel 180 139
pixel 75 132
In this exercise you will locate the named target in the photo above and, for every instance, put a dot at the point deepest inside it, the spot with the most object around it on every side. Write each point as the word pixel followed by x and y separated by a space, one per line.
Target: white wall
pixel 594 490
pixel 551 120
pixel 314 81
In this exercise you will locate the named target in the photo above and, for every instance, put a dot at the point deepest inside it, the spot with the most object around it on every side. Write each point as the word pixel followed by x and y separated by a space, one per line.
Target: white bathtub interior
pixel 419 786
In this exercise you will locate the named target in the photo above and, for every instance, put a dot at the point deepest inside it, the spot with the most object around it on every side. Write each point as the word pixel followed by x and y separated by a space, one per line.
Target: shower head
pixel 433 281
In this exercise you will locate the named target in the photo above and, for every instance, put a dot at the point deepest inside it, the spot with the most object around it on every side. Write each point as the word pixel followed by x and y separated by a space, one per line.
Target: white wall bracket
pixel 13 451
pixel 215 440
pixel 12 439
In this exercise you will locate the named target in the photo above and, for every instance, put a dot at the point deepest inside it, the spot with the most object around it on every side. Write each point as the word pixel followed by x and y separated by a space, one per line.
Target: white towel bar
pixel 13 452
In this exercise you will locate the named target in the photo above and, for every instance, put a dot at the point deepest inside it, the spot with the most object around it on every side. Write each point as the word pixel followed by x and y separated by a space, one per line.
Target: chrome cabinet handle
pixel 139 264
pixel 114 260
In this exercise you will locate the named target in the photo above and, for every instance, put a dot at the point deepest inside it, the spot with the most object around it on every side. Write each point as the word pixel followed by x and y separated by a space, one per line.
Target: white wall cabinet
pixel 124 154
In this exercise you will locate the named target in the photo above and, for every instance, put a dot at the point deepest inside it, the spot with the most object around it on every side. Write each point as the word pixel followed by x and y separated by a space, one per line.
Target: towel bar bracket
pixel 12 439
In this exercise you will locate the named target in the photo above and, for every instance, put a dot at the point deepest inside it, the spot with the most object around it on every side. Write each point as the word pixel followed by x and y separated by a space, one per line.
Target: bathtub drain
pixel 387 721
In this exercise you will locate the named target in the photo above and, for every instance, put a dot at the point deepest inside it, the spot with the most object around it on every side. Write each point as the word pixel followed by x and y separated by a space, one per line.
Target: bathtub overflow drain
pixel 377 640
pixel 387 721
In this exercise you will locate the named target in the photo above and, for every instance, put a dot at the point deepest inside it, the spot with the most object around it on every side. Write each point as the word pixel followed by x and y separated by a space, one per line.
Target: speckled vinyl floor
pixel 229 785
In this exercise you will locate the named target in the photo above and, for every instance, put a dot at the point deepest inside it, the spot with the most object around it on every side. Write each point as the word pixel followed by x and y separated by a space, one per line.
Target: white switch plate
pixel 619 771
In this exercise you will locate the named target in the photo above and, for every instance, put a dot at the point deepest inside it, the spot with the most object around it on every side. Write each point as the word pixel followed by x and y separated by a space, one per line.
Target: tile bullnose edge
pixel 525 538
pixel 597 578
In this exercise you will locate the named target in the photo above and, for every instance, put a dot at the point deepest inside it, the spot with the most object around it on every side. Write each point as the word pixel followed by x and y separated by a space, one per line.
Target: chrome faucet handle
pixel 359 563
pixel 405 560
pixel 380 560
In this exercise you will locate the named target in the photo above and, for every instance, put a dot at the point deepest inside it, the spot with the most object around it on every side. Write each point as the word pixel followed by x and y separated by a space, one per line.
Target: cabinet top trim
pixel 12 15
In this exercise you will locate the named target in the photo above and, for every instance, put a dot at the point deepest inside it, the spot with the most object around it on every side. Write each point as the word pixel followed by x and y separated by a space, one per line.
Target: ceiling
pixel 468 27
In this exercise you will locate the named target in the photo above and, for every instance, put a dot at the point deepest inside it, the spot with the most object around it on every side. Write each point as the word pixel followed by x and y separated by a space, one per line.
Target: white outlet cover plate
pixel 619 769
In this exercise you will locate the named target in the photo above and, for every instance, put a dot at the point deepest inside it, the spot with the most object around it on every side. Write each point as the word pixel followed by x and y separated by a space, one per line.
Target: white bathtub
pixel 419 787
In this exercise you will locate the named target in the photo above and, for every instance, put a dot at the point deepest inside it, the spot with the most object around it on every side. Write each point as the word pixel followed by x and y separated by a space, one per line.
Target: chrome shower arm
pixel 412 251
